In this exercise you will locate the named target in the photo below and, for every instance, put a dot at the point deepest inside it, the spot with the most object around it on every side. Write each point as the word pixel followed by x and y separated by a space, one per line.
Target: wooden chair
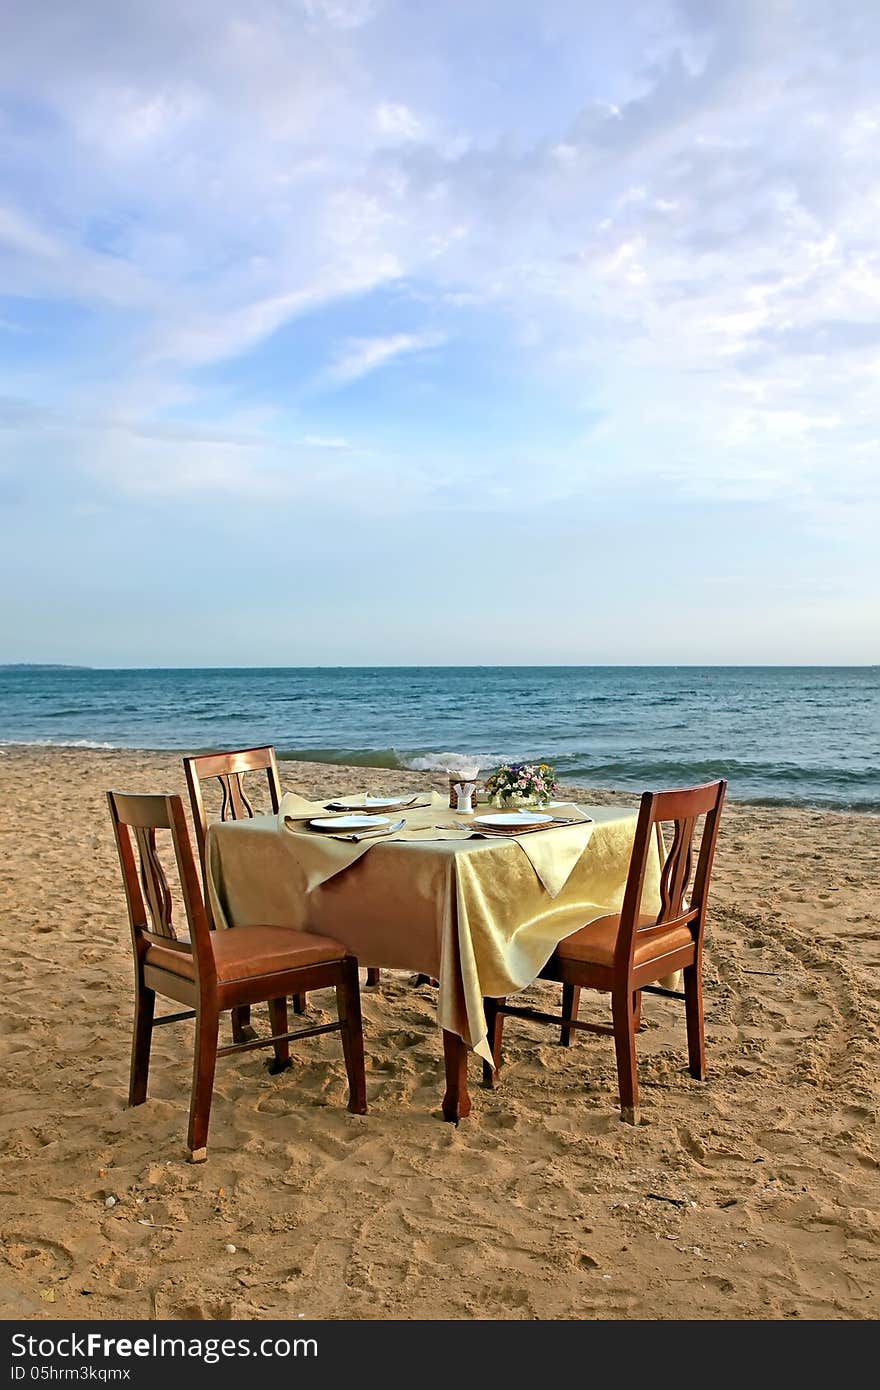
pixel 229 769
pixel 217 970
pixel 626 954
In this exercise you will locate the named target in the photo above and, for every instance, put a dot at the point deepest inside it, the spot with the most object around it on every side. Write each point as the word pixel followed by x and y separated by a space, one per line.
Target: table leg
pixel 456 1102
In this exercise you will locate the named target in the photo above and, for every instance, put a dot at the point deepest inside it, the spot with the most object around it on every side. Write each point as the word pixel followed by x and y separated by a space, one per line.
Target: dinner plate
pixel 348 822
pixel 506 819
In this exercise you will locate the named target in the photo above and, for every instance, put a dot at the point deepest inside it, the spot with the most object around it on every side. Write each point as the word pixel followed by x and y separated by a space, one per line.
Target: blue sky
pixel 388 331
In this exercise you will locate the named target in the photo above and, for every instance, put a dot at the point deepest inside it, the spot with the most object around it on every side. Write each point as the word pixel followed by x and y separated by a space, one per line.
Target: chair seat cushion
pixel 242 953
pixel 594 944
pixel 177 960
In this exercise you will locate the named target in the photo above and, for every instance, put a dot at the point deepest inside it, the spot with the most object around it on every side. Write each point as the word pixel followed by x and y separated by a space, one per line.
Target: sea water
pixel 781 735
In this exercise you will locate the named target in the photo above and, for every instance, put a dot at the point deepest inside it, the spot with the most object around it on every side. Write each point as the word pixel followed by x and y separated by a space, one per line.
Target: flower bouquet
pixel 516 783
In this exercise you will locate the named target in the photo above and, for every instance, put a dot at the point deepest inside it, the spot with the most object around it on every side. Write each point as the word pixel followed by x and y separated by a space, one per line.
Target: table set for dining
pixel 477 902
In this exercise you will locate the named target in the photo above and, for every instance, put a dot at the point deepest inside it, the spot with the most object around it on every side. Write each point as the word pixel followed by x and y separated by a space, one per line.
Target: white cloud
pixel 20 235
pixel 398 121
pixel 673 218
pixel 342 14
pixel 360 356
pixel 320 441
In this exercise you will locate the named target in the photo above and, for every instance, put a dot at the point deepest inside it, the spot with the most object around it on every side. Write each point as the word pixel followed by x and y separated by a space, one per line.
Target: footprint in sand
pixel 44 1259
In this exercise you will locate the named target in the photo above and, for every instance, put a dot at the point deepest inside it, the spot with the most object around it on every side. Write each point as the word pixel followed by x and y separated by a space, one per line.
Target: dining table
pixel 478 911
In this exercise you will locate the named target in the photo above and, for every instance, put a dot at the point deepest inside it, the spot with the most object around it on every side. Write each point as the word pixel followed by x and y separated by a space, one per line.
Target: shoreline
pixel 380 769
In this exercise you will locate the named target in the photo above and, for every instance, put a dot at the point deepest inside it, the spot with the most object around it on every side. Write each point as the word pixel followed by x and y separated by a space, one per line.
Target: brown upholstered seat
pixel 629 953
pixel 596 941
pixel 215 971
pixel 178 962
pixel 242 953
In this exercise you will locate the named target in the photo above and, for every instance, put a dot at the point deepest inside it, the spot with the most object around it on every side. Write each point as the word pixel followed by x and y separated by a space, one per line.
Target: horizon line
pixel 470 666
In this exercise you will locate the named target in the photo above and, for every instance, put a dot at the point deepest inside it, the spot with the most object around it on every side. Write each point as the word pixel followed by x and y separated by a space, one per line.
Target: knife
pixel 371 834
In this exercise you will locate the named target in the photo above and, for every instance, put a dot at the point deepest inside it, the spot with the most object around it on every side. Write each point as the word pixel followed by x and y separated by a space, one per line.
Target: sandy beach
pixel 754 1195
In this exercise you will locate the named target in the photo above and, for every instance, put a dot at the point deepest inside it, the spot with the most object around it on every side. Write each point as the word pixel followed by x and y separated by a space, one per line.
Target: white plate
pixel 509 818
pixel 348 822
pixel 387 801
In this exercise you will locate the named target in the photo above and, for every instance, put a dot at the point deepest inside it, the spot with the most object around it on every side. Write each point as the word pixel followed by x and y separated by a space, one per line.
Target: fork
pixel 371 834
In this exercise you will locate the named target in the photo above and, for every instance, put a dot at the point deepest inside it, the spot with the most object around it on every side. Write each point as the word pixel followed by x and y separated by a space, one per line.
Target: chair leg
pixel 278 1018
pixel 372 976
pixel 625 1048
pixel 494 1029
pixel 571 998
pixel 299 1004
pixel 348 1003
pixel 142 1037
pixel 241 1024
pixel 637 1010
pixel 204 1062
pixel 693 1007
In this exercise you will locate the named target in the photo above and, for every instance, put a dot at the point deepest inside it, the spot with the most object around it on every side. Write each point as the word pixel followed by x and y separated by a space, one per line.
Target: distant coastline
pixel 41 666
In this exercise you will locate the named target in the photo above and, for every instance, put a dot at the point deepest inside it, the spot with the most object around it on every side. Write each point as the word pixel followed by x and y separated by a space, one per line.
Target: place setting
pixel 519 822
pixel 365 816
pixel 303 811
pixel 367 825
pixel 374 815
pixel 351 818
pixel 366 804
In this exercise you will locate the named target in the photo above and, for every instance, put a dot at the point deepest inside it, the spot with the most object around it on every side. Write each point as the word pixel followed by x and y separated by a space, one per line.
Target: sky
pixel 396 332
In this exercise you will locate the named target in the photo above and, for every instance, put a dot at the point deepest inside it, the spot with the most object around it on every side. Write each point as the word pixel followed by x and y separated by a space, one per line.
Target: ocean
pixel 803 736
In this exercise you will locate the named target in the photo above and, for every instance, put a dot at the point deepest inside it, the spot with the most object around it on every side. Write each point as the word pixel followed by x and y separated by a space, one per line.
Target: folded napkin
pixel 554 852
pixel 319 856
pixel 298 808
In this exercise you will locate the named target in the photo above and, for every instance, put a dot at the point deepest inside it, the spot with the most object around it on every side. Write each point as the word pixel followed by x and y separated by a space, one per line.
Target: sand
pixel 754 1195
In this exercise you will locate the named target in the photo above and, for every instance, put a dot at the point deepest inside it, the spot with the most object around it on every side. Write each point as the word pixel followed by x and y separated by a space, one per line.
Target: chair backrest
pixel 229 769
pixel 682 902
pixel 147 889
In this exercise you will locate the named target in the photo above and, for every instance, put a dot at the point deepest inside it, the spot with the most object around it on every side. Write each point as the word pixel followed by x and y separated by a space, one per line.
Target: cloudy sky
pixel 428 331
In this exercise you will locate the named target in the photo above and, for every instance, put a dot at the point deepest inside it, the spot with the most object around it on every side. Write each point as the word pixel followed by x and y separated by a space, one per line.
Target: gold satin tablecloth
pixel 321 856
pixel 473 913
